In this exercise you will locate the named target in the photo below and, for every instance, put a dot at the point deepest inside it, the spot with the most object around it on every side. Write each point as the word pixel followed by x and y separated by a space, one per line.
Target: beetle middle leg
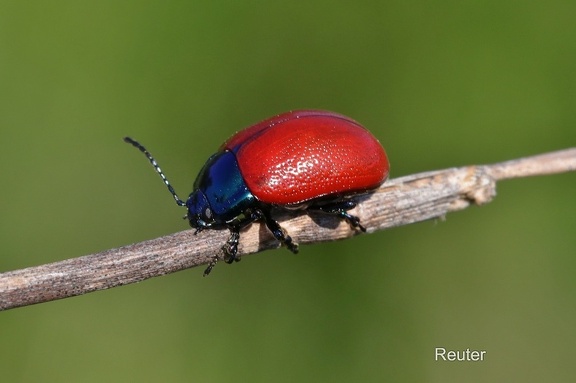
pixel 278 232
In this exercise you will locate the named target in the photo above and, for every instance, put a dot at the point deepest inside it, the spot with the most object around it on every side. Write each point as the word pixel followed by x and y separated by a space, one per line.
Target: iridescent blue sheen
pixel 220 193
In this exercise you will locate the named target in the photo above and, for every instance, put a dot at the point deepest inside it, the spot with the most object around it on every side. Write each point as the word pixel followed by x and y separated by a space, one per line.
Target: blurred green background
pixel 440 84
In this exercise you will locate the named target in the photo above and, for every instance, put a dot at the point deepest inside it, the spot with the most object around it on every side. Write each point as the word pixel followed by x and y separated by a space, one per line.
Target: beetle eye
pixel 208 213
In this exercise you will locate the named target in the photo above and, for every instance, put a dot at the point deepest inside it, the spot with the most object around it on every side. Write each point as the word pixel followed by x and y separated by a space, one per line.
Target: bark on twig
pixel 398 202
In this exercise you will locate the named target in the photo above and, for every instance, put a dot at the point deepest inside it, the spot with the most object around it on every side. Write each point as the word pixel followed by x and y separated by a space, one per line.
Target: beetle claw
pixel 353 221
pixel 287 240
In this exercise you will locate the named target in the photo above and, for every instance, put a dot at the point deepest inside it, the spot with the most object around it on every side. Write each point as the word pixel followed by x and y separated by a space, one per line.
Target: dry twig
pixel 398 202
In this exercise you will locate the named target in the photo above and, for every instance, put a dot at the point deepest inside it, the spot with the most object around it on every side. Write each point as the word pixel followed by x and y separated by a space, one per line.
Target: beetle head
pixel 200 214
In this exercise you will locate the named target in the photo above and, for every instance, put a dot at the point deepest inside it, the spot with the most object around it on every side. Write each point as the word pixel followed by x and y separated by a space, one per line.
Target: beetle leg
pixel 340 209
pixel 231 247
pixel 279 233
pixel 211 265
pixel 230 250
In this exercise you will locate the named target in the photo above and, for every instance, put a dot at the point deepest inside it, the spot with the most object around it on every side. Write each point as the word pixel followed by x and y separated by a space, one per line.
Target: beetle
pixel 302 159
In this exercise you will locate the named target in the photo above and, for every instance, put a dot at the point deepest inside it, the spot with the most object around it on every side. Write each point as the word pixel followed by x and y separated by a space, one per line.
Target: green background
pixel 441 84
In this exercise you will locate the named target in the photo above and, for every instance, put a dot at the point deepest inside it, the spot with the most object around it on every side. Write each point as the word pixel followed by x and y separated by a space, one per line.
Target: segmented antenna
pixel 157 168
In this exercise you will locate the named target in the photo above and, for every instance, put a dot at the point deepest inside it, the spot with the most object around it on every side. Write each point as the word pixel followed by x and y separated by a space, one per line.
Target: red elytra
pixel 307 154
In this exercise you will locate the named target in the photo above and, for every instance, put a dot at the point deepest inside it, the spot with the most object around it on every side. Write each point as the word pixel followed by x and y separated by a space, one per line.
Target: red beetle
pixel 304 159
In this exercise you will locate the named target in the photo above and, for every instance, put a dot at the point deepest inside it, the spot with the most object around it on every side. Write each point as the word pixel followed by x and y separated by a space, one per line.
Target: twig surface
pixel 398 202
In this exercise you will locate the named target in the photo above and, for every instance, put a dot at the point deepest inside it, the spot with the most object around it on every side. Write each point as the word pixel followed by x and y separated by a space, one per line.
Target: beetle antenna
pixel 157 168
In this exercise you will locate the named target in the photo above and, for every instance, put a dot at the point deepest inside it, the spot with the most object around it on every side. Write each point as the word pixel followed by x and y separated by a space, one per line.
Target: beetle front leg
pixel 230 249
pixel 211 265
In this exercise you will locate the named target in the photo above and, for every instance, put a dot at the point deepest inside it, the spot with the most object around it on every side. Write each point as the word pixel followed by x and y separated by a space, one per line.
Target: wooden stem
pixel 398 202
